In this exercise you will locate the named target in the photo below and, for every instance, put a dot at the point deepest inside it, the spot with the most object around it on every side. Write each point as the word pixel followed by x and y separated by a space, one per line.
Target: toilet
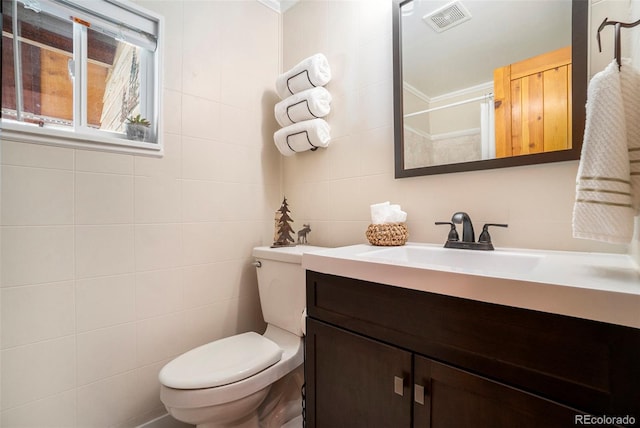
pixel 249 380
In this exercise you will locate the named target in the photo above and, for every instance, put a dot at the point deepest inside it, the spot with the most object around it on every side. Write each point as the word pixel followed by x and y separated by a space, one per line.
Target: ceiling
pixel 499 33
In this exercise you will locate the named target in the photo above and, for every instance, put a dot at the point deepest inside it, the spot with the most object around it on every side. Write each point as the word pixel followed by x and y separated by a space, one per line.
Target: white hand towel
pixel 603 209
pixel 308 73
pixel 299 137
pixel 306 105
pixel 630 85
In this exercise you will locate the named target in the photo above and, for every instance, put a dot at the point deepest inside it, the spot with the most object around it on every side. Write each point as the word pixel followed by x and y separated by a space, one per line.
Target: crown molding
pixel 279 6
pixel 487 86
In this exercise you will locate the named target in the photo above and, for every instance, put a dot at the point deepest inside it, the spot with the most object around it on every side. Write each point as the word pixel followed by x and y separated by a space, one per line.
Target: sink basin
pixel 458 260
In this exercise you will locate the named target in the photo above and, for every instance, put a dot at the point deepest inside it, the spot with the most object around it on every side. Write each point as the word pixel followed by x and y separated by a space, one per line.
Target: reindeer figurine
pixel 302 234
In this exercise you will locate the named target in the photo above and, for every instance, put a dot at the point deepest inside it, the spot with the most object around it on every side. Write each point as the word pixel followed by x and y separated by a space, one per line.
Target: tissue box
pixel 388 234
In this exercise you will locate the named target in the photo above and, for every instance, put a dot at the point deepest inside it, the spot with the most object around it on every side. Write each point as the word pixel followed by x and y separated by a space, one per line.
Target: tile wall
pixel 113 264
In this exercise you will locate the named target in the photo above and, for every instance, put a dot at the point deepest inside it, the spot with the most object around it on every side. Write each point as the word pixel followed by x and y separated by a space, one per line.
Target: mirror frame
pixel 579 79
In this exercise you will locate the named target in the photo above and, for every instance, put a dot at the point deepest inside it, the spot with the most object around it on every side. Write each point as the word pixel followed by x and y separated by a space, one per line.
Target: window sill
pixel 26 133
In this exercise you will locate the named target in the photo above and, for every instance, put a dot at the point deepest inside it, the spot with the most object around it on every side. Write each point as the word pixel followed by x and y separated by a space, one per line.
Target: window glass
pixel 46 47
pixel 74 72
pixel 113 85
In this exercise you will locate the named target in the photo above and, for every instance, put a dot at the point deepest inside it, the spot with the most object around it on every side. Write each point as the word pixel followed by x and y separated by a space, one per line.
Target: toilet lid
pixel 221 362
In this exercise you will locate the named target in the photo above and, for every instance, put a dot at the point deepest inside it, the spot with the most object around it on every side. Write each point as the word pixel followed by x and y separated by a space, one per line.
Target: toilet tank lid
pixel 285 254
pixel 221 362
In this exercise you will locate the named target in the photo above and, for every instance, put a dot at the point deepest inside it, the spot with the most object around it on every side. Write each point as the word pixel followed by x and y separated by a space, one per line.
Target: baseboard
pixel 164 421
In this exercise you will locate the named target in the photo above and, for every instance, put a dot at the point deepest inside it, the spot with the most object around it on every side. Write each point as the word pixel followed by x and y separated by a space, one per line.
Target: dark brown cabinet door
pixel 355 382
pixel 455 398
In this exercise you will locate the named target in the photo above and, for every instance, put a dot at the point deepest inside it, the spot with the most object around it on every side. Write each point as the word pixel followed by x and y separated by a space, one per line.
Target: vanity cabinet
pixel 382 356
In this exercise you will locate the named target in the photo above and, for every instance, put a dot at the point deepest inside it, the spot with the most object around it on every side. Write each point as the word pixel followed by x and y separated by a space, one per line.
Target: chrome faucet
pixel 468 235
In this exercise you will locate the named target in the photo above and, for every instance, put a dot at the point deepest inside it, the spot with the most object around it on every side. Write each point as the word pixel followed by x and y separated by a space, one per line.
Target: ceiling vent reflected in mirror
pixel 447 16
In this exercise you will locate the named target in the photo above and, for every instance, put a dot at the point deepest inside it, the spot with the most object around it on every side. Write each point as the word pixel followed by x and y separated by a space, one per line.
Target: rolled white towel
pixel 306 105
pixel 308 73
pixel 302 136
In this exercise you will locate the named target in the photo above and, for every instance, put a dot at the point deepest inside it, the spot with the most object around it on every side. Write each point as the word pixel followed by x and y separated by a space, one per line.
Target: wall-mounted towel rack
pixel 617 25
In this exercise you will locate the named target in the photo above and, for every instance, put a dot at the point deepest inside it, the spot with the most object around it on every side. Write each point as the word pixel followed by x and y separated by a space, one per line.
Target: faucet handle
pixel 453 233
pixel 484 236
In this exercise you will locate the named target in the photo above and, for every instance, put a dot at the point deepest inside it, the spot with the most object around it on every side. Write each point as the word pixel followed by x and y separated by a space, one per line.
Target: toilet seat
pixel 221 362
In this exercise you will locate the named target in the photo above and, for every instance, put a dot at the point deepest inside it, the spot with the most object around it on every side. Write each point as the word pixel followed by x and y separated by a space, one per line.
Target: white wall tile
pixel 160 338
pixel 106 352
pixel 169 166
pixel 104 250
pixel 346 160
pixel 252 55
pixel 214 282
pixel 157 246
pixel 54 411
pixel 376 106
pixel 250 314
pixel 172 113
pixel 234 163
pixel 200 118
pixel 200 242
pixel 347 203
pixel 234 129
pixel 157 199
pixel 32 255
pixel 125 220
pixel 343 33
pixel 105 301
pixel 100 162
pixel 36 196
pixel 147 387
pixel 302 36
pixel 201 56
pixel 202 201
pixel 107 402
pixel 37 371
pixel 36 155
pixel 199 159
pixel 374 20
pixel 173 46
pixel 378 144
pixel 373 68
pixel 158 292
pixel 211 322
pixel 104 198
pixel 37 312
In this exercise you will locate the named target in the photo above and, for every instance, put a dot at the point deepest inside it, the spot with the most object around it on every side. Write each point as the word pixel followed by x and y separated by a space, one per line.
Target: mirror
pixel 460 100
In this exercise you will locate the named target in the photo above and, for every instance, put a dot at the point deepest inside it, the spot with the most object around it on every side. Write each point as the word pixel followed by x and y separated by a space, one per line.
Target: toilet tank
pixel 281 284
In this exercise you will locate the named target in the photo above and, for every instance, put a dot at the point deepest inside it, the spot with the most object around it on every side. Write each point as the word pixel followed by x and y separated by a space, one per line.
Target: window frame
pixel 80 135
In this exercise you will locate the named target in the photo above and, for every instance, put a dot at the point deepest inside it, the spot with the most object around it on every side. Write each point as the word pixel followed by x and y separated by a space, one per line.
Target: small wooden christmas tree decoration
pixel 284 230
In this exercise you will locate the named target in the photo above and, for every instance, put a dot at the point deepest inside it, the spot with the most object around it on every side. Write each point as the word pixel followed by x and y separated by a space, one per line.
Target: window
pixel 75 71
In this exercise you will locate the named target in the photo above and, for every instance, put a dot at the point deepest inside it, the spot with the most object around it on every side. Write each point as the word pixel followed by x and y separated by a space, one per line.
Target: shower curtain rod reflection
pixel 457 103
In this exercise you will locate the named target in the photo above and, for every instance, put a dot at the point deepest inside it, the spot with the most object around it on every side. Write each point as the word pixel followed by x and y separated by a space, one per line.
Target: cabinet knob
pixel 398 385
pixel 418 393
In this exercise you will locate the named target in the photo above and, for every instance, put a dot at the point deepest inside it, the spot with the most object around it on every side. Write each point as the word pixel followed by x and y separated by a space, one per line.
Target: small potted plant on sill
pixel 137 128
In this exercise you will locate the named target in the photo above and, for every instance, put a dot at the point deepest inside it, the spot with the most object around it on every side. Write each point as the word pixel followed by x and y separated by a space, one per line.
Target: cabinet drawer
pixel 584 364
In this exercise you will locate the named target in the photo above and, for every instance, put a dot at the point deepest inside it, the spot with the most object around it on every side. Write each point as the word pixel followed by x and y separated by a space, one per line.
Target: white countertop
pixel 596 286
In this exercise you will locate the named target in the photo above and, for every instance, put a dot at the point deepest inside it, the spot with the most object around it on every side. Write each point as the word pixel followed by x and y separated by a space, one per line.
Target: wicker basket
pixel 387 234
